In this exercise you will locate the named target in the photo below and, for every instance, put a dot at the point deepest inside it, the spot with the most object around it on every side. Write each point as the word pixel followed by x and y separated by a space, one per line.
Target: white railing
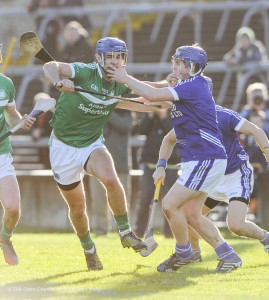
pixel 32 72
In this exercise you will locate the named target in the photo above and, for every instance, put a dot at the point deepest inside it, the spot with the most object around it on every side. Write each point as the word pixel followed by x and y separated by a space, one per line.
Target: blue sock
pixel 265 240
pixel 224 251
pixel 183 251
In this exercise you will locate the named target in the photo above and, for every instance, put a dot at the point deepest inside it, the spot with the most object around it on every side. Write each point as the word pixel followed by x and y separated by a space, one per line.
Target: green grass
pixel 52 266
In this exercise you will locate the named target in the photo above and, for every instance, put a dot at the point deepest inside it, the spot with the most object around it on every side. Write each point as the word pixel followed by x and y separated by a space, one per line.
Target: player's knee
pixel 192 220
pixel 167 208
pixel 12 211
pixel 110 181
pixel 77 209
pixel 236 227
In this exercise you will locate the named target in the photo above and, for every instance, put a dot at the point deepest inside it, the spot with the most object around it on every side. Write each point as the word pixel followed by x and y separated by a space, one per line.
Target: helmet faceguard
pixel 1 58
pixel 112 46
pixel 192 55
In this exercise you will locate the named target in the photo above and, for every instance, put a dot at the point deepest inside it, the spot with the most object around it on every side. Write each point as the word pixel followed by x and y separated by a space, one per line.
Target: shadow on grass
pixel 133 285
pixel 34 289
pixel 141 280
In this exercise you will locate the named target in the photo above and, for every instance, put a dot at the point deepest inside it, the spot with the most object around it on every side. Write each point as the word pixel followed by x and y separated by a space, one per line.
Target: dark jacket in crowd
pixel 117 134
pixel 81 51
pixel 154 128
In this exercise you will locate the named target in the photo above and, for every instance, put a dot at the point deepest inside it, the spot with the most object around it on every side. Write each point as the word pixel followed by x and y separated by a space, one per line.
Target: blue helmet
pixel 112 45
pixel 192 55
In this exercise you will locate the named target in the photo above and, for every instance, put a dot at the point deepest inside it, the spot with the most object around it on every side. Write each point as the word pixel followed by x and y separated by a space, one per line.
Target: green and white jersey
pixel 7 98
pixel 79 118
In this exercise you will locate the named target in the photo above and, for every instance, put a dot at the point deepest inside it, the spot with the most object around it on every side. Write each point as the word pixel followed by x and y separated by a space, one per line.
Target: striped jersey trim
pixel 246 173
pixel 210 138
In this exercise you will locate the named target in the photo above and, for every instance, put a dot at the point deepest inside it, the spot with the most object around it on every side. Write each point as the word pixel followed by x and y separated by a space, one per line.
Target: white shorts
pixel 6 168
pixel 238 184
pixel 67 162
pixel 202 175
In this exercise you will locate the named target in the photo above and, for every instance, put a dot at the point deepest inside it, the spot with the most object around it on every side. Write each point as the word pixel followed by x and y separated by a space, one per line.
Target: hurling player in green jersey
pixel 9 189
pixel 77 144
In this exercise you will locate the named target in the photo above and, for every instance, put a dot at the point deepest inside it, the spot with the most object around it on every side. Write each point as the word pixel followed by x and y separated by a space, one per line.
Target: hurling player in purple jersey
pixel 236 186
pixel 203 155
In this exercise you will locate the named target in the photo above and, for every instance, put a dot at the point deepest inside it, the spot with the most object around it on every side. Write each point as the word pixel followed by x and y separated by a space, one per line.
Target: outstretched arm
pixel 144 90
pixel 142 108
pixel 249 128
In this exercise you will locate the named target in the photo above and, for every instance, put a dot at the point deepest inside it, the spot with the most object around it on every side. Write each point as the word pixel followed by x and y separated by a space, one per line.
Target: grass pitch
pixel 52 266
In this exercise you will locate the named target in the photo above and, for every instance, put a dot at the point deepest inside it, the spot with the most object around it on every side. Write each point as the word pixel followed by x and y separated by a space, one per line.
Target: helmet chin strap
pixel 102 67
pixel 102 63
pixel 194 74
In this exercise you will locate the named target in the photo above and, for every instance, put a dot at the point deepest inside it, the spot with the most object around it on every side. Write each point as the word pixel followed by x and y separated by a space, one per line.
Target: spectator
pixel 117 139
pixel 77 46
pixel 257 112
pixel 154 126
pixel 55 26
pixel 41 129
pixel 247 49
pixel 257 101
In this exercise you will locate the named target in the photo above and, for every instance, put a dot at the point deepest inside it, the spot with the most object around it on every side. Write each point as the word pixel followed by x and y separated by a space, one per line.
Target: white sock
pixel 91 251
pixel 122 233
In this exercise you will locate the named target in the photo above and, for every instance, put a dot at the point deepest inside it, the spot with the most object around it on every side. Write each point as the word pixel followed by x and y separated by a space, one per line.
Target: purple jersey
pixel 229 123
pixel 195 121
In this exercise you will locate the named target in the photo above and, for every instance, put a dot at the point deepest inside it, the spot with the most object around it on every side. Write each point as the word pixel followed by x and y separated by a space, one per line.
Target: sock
pixel 224 251
pixel 265 239
pixel 87 242
pixel 91 251
pixel 123 224
pixel 196 251
pixel 183 251
pixel 6 233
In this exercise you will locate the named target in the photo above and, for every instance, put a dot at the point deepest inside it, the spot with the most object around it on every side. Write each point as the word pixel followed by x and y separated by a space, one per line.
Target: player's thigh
pixel 9 192
pixel 100 164
pixel 178 196
pixel 75 198
pixel 237 212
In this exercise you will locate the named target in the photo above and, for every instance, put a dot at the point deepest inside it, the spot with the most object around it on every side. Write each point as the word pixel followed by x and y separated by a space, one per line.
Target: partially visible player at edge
pixel 77 143
pixel 9 188
pixel 237 184
pixel 201 147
